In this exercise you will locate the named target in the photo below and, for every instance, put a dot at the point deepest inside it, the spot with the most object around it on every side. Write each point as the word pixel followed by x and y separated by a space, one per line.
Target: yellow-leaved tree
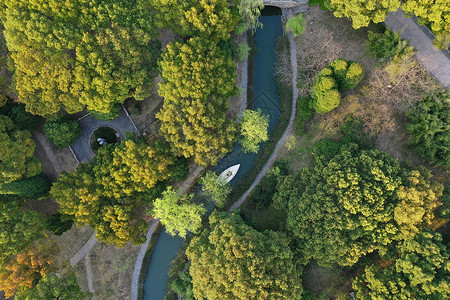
pixel 198 79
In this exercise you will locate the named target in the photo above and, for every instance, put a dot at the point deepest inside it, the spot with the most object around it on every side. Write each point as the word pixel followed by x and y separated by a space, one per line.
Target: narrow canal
pixel 265 98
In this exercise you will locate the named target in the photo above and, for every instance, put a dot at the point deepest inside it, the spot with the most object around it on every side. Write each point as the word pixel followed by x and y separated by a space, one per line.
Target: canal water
pixel 265 98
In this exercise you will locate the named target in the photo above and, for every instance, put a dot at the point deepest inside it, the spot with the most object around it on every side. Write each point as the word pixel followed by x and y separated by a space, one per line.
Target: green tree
pixel 242 51
pixel 16 152
pixel 296 25
pixel 62 132
pixel 77 55
pixel 18 228
pixel 231 260
pixel 30 188
pixel 20 117
pixel 198 79
pixel 58 223
pixel 52 286
pixel 254 130
pixel 216 190
pixel 177 212
pixel 339 75
pixel 182 286
pixel 388 46
pixel 109 116
pixel 354 203
pixel 418 269
pixel 325 94
pixel 209 19
pixel 429 129
pixel 106 192
pixel 137 166
pixel 436 13
pixel 250 11
pixel 361 13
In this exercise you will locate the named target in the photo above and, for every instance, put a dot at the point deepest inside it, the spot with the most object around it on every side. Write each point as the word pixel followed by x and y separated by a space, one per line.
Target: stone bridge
pixel 286 3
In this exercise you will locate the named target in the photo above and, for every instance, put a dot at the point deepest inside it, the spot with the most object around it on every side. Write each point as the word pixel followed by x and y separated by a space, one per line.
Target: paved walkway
pixel 432 59
pixel 123 123
pixel 289 128
pixel 85 249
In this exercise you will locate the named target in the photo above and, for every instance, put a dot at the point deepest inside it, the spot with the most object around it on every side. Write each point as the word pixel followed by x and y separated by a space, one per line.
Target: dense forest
pixel 336 198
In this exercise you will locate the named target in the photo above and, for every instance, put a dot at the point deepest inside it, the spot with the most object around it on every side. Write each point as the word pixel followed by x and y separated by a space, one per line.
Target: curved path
pixel 287 132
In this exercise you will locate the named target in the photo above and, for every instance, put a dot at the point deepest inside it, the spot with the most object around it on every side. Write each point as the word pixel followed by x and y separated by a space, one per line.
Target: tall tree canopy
pixel 355 203
pixel 178 213
pixel 52 286
pixel 231 260
pixel 198 79
pixel 83 52
pixel 254 130
pixel 419 268
pixel 361 13
pixel 16 152
pixel 429 129
pixel 210 19
pixel 21 272
pixel 216 190
pixel 106 192
pixel 18 228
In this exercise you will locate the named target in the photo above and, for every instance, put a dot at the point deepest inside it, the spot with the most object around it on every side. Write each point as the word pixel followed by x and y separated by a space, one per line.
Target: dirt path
pixel 53 159
pixel 87 263
pixel 289 128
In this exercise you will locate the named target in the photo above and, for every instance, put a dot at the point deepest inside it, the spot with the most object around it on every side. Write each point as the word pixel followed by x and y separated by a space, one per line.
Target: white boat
pixel 228 174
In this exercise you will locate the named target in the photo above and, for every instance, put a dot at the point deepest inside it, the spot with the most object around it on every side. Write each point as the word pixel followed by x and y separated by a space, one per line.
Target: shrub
pixel 113 113
pixel 58 223
pixel 20 117
pixel 339 75
pixel 182 285
pixel 242 51
pixel 262 195
pixel 62 132
pixel 296 25
pixel 354 133
pixel 254 130
pixel 122 262
pixel 325 94
pixel 30 188
pixel 324 4
pixel 429 129
pixel 304 113
pixel 347 73
pixel 388 46
pixel 325 149
pixel 180 169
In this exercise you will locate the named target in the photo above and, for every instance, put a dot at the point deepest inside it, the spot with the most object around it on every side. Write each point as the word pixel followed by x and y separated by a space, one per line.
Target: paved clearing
pixel 89 124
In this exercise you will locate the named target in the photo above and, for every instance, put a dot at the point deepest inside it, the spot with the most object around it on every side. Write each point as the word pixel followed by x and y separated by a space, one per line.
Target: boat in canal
pixel 228 174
